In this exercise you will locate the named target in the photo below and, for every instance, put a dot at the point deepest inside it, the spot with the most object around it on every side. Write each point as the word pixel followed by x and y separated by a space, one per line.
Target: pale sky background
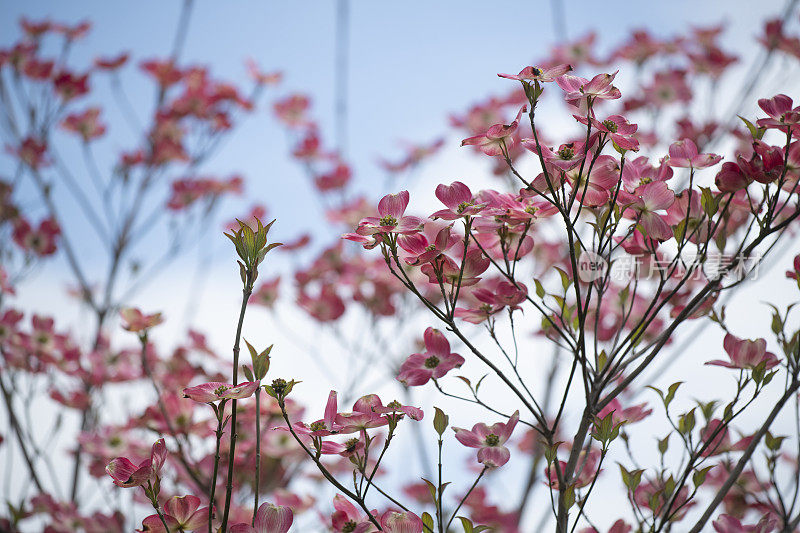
pixel 411 65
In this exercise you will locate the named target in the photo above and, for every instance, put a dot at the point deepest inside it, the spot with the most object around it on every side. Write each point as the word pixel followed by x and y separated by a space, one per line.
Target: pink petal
pixel 436 343
pixel 454 194
pixel 494 456
pixel 393 205
pixel 273 518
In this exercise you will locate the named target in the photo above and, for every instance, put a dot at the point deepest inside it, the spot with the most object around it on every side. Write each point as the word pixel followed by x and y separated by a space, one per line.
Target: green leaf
pixel 756 132
pixel 663 445
pixel 569 497
pixel 671 393
pixel 602 359
pixel 699 476
pixel 440 421
pixel 427 521
pixel 686 422
pixel 565 281
pixel 539 288
pixel 466 524
pixel 432 490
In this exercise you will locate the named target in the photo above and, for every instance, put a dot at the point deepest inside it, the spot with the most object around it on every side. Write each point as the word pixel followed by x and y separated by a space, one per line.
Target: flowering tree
pixel 585 245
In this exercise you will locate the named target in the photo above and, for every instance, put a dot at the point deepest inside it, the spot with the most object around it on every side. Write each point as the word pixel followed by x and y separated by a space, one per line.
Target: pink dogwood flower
pixel 126 474
pixel 730 178
pixel 489 440
pixel 600 180
pixel 435 362
pixel 137 322
pixel 627 415
pixel 214 391
pixel 362 417
pixel 181 513
pixel 685 154
pixel 617 127
pixel 395 522
pixel 729 524
pixel 86 124
pixel 568 156
pixel 422 250
pixel 745 353
pixel 780 111
pixel 644 204
pixel 475 263
pixel 580 90
pixel 390 217
pixel 321 428
pixel 348 519
pixel 497 139
pixel 542 75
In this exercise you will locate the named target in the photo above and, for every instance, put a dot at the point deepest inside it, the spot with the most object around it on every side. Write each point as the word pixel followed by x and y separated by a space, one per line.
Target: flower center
pixel 279 385
pixel 536 71
pixel 430 247
pixel 463 206
pixel 351 444
pixel 610 126
pixel 349 526
pixel 432 362
pixel 388 220
pixel 220 390
pixel 394 404
pixel 317 426
pixel 492 440
pixel 566 153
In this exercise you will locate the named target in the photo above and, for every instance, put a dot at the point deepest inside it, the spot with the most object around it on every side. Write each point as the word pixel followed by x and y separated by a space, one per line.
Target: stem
pixel 439 513
pixel 18 431
pixel 154 500
pixel 248 289
pixel 466 496
pixel 258 455
pixel 219 412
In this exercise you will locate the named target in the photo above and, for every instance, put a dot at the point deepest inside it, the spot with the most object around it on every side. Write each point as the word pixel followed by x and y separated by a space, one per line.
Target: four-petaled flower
pixel 137 322
pixel 542 75
pixel 685 154
pixel 580 90
pixel 489 440
pixel 214 391
pixel 745 353
pixel 644 202
pixel 126 474
pixel 434 363
pixel 497 139
pixel 780 111
pixel 181 513
pixel 390 217
pixel 348 519
pixel 617 127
